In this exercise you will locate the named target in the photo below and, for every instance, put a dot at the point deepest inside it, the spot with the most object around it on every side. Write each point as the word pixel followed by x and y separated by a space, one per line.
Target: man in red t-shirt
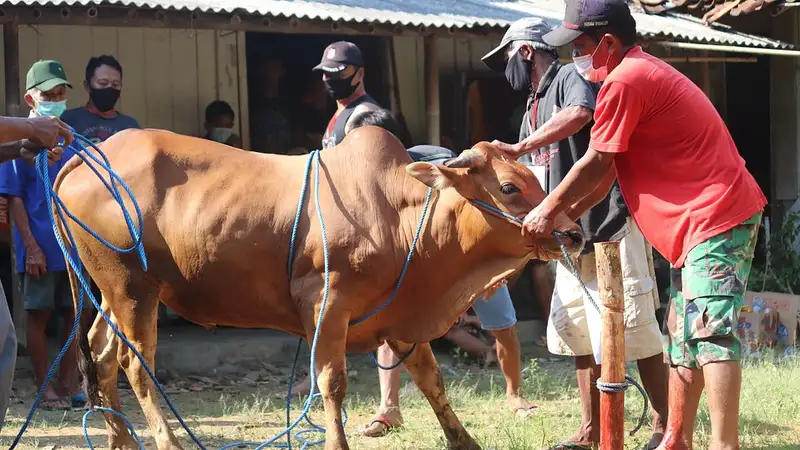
pixel 688 190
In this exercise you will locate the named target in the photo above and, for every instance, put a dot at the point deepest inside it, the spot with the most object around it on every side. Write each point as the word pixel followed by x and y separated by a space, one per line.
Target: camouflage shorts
pixel 706 295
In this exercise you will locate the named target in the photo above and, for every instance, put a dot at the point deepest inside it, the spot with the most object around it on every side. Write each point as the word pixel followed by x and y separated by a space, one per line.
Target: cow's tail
pixel 86 363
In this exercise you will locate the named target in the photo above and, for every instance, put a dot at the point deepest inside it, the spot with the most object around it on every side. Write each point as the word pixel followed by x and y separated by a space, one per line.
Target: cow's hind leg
pixel 425 370
pixel 332 369
pixel 104 344
pixel 138 322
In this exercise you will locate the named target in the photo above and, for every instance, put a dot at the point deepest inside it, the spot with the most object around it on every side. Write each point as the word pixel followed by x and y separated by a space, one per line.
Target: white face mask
pixel 220 135
pixel 585 67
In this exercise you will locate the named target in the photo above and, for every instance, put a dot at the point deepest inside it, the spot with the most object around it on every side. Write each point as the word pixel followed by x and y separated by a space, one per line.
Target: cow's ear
pixel 437 177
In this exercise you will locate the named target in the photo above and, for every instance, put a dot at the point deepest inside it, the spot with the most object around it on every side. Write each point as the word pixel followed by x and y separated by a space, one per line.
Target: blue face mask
pixel 220 134
pixel 51 109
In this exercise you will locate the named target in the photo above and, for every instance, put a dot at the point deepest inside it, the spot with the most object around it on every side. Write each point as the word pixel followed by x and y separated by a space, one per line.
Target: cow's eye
pixel 509 189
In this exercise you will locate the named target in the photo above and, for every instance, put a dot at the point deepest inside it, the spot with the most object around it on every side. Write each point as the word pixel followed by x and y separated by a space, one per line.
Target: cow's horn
pixel 467 158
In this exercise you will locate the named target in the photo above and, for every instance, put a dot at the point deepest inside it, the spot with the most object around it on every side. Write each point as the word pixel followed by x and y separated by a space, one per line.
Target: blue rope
pixel 56 206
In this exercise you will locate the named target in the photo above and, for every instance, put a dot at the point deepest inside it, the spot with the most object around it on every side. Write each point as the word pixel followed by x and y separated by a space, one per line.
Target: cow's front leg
pixel 332 369
pixel 425 370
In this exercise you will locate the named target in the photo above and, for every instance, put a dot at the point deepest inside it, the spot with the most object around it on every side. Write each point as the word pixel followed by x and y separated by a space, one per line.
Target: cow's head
pixel 482 173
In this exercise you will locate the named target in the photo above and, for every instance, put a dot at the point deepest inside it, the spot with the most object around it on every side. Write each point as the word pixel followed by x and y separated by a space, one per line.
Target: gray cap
pixel 527 29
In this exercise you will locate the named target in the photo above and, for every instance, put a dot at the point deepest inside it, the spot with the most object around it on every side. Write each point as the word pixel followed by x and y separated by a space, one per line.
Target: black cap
pixel 338 56
pixel 587 15
pixel 528 29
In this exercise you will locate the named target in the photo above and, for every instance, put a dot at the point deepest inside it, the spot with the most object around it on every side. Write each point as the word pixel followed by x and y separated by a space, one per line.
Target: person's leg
pixel 39 304
pixel 588 373
pixel 461 338
pixel 642 336
pixel 568 335
pixel 655 375
pixel 702 334
pixel 543 284
pixel 8 355
pixel 685 390
pixel 723 383
pixel 497 315
pixel 388 415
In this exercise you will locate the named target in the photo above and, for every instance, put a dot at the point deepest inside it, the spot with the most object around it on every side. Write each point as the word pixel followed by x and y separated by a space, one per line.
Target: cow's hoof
pixel 123 443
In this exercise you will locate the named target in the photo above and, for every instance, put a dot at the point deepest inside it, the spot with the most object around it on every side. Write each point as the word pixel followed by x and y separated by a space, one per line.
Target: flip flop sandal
pixel 524 413
pixel 387 427
pixel 649 446
pixel 54 404
pixel 79 400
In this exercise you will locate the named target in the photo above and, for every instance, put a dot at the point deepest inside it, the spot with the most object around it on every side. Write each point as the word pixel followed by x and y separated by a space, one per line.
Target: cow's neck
pixel 456 240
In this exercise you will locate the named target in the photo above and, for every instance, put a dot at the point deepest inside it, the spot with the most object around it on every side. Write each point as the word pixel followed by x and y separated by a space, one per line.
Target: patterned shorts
pixel 706 295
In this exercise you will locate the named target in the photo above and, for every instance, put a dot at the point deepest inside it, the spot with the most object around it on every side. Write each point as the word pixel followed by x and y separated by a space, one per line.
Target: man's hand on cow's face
pixel 510 151
pixel 537 224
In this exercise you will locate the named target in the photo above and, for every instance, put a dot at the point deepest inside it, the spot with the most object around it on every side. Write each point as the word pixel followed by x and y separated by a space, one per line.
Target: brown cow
pixel 217 227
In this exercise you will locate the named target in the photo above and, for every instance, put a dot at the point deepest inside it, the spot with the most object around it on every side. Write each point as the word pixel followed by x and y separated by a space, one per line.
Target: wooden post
pixel 432 89
pixel 612 404
pixel 11 70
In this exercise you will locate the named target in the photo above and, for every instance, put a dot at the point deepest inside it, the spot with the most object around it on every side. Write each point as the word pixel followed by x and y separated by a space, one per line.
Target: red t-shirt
pixel 677 165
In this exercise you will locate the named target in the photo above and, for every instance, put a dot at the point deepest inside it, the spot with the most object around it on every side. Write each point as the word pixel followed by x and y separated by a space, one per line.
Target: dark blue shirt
pixel 18 178
pixel 95 127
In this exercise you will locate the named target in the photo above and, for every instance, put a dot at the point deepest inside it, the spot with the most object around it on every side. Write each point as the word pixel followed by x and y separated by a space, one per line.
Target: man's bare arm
pixel 562 125
pixel 10 150
pixel 580 208
pixel 583 179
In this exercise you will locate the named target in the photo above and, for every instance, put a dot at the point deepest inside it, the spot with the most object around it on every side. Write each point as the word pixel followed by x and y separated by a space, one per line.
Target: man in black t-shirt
pixel 342 68
pixel 554 135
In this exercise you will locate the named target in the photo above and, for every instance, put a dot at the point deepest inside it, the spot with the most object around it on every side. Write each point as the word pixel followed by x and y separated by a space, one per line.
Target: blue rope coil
pixel 56 206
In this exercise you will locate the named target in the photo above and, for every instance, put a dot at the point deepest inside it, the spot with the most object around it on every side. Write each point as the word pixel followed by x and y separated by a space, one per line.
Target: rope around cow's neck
pixel 572 268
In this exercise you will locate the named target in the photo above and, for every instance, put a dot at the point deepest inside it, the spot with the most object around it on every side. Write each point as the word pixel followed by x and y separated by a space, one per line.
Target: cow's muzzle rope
pixel 570 265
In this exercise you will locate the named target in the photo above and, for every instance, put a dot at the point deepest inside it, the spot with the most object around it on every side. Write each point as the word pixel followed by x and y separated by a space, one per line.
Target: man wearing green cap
pixel 45 284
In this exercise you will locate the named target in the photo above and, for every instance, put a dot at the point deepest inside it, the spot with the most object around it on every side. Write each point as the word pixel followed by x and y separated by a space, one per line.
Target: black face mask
pixel 518 72
pixel 104 99
pixel 341 88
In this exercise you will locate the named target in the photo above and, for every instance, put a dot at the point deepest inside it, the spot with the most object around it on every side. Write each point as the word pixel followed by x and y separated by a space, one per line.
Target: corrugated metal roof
pixel 714 10
pixel 438 13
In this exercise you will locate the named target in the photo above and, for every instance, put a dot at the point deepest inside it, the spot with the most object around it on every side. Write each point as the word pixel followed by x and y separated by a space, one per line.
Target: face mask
pixel 220 135
pixel 341 88
pixel 104 99
pixel 51 109
pixel 518 72
pixel 585 67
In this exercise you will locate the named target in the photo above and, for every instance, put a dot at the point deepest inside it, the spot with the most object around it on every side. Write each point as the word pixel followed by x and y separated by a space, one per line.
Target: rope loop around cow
pixel 56 206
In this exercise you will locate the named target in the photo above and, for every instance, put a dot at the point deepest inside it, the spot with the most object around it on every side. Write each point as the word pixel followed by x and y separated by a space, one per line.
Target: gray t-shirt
pixel 561 88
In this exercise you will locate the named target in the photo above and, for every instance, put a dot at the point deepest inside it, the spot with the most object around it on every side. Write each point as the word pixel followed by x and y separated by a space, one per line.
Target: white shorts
pixel 567 328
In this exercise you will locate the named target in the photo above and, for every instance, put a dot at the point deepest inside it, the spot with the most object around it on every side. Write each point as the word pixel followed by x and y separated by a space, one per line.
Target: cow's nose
pixel 574 238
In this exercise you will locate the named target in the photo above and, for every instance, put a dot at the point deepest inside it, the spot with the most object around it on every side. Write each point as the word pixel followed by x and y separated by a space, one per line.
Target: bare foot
pixel 383 422
pixel 520 407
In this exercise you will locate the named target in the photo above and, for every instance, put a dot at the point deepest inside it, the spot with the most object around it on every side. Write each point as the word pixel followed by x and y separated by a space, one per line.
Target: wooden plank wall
pixel 169 75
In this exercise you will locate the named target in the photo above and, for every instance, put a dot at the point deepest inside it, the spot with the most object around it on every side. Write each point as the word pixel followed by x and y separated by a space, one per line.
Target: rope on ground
pixel 55 205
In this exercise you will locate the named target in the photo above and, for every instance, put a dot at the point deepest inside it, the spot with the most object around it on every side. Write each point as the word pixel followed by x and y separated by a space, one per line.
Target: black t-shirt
pixel 561 88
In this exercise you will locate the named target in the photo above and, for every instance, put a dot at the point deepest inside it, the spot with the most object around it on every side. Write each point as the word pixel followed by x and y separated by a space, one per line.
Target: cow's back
pixel 217 221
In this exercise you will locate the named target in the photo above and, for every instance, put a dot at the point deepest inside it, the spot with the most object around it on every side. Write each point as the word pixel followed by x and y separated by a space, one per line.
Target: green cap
pixel 45 75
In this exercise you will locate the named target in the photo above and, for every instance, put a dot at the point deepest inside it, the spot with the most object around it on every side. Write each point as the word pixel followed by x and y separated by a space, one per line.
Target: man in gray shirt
pixel 554 135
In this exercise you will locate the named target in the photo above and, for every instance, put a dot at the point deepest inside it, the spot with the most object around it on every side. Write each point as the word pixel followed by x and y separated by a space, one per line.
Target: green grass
pixel 769 419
